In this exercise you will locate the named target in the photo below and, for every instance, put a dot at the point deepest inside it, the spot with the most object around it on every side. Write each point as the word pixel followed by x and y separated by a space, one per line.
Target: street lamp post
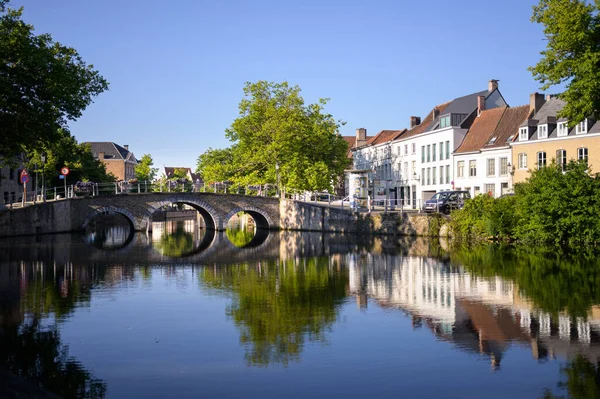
pixel 43 158
pixel 35 191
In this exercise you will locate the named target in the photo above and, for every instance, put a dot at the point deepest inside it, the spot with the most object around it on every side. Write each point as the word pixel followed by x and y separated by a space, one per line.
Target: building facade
pixel 10 183
pixel 545 137
pixel 118 159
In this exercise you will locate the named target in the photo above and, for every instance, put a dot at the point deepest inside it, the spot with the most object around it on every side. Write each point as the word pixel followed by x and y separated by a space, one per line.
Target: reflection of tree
pixel 277 306
pixel 36 354
pixel 240 237
pixel 176 244
pixel 554 282
pixel 583 380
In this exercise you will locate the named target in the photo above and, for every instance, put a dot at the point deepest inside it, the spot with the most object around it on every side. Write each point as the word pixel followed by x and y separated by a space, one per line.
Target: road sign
pixel 61 176
pixel 24 178
pixel 64 171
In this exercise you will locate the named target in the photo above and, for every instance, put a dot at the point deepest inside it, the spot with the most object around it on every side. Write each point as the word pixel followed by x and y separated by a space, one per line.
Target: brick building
pixel 118 159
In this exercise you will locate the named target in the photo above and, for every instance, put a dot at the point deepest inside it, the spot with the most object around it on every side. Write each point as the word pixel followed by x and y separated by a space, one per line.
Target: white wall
pixel 483 177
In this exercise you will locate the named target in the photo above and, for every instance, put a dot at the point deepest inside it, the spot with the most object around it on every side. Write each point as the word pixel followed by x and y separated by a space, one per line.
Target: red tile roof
pixel 384 136
pixel 425 123
pixel 351 140
pixel 508 128
pixel 481 130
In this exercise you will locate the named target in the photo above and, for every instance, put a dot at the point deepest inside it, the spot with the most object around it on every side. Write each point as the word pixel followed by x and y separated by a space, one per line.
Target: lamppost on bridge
pixel 277 172
pixel 43 159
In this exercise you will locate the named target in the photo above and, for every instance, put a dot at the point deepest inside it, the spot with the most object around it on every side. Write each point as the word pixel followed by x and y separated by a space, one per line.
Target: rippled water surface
pixel 185 313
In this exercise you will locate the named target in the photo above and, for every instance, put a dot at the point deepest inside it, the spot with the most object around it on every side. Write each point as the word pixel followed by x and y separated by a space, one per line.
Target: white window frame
pixel 491 166
pixel 414 148
pixel 582 127
pixel 460 169
pixel 523 134
pixel 405 149
pixel 542 159
pixel 522 160
pixel 561 159
pixel 472 168
pixel 562 129
pixel 503 166
pixel 582 153
pixel 542 131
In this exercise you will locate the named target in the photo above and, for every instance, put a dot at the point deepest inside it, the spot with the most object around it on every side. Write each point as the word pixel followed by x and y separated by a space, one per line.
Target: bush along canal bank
pixel 556 205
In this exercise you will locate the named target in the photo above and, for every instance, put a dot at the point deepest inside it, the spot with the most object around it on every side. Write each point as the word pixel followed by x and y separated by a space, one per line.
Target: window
pixel 422 154
pixel 541 159
pixel 491 167
pixel 11 174
pixel 428 176
pixel 448 149
pixel 522 160
pixel 563 129
pixel 448 174
pixel 542 132
pixel 581 128
pixel 433 175
pixel 490 189
pixel 476 190
pixel 503 166
pixel 414 148
pixel 428 153
pixel 413 168
pixel 524 134
pixel 582 154
pixel 561 159
pixel 441 150
pixel 433 152
pixel 405 149
pixel 460 169
pixel 472 168
pixel 423 176
pixel 503 188
pixel 444 121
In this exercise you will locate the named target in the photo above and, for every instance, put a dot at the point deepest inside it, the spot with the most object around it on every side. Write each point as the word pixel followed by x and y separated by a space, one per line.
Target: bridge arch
pixel 211 216
pixel 111 210
pixel 261 218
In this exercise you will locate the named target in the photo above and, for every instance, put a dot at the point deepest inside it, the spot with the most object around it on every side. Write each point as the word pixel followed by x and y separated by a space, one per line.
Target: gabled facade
pixel 545 137
pixel 191 176
pixel 482 162
pixel 118 159
pixel 419 158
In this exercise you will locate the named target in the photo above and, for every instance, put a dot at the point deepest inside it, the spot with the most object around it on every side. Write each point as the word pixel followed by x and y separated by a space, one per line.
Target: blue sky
pixel 177 68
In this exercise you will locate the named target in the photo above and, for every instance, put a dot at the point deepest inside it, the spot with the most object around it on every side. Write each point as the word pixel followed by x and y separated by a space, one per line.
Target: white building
pixel 417 162
pixel 482 162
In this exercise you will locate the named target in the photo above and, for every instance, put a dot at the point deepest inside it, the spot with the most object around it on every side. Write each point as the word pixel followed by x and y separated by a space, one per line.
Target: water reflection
pixel 273 305
pixel 278 305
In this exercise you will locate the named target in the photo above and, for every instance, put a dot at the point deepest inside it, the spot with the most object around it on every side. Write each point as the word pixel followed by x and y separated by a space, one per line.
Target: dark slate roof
pixel 111 151
pixel 547 114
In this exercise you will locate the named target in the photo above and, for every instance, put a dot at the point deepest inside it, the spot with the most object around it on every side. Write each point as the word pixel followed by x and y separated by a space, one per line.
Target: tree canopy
pixel 43 85
pixel 144 170
pixel 572 55
pixel 276 129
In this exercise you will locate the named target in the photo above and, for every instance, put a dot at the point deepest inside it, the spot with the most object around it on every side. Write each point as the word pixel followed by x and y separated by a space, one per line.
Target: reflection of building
pixel 482 315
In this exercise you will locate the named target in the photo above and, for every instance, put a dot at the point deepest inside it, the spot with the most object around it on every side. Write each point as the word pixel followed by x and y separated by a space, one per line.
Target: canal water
pixel 185 313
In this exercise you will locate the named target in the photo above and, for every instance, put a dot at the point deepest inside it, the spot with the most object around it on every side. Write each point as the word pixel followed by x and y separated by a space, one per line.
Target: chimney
pixel 480 104
pixel 536 101
pixel 493 85
pixel 361 136
pixel 436 113
pixel 101 156
pixel 415 121
pixel 549 97
pixel 126 146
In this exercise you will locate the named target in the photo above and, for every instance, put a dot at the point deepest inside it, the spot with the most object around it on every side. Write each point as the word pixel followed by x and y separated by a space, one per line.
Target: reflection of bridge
pixel 484 315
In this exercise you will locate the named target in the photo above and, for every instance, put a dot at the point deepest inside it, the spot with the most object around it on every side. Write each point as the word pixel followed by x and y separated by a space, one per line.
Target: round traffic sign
pixel 64 171
pixel 24 179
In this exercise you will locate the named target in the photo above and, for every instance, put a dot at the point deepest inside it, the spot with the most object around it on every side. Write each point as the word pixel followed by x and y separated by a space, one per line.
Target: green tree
pixel 572 55
pixel 276 128
pixel 144 170
pixel 43 85
pixel 216 165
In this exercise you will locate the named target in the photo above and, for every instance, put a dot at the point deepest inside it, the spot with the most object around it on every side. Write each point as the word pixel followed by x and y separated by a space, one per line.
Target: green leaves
pixel 572 55
pixel 43 85
pixel 144 170
pixel 276 128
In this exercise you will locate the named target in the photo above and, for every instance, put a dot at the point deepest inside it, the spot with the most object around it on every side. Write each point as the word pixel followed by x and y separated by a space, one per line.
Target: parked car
pixel 446 201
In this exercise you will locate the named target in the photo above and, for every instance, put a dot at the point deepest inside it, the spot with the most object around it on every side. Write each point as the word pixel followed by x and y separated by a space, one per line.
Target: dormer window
pixel 581 127
pixel 493 140
pixel 542 131
pixel 524 134
pixel 445 121
pixel 563 129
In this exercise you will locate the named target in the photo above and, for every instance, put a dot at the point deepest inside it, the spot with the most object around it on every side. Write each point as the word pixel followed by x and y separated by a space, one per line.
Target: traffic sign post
pixel 64 171
pixel 24 179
